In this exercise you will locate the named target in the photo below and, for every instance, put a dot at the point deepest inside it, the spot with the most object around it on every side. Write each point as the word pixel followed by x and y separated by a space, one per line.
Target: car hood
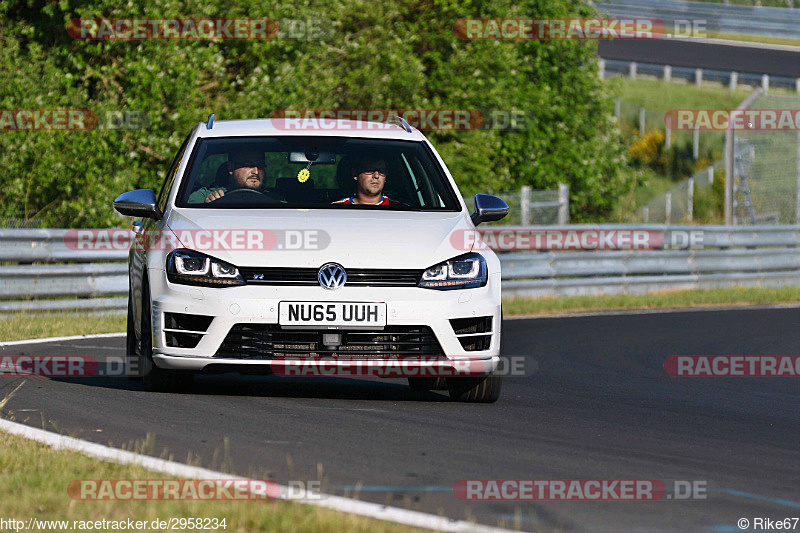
pixel 310 238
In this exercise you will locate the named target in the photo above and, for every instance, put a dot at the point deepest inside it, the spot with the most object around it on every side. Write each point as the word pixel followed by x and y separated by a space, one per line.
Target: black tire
pixel 157 379
pixel 484 389
pixel 132 368
pixel 427 383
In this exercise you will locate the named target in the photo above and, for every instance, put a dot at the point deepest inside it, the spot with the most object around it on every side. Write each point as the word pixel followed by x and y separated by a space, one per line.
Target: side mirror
pixel 488 209
pixel 138 203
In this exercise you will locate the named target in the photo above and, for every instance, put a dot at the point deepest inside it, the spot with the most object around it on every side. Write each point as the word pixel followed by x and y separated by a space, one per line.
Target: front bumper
pixel 258 304
pixel 451 367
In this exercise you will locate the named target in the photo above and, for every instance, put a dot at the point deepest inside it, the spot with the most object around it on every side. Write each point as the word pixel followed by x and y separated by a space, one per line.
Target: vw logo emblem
pixel 332 276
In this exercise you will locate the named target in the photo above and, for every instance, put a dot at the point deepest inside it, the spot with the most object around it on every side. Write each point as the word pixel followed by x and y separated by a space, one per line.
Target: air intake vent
pixel 182 340
pixel 472 332
pixel 187 322
pixel 185 331
pixel 469 326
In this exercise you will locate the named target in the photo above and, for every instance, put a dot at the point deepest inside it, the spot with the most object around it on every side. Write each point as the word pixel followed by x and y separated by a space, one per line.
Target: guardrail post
pixel 729 167
pixel 616 107
pixel 646 214
pixel 698 77
pixel 601 68
pixel 667 72
pixel 563 204
pixel 642 124
pixel 632 70
pixel 690 199
pixel 798 177
pixel 734 80
pixel 728 151
pixel 667 207
pixel 797 85
pixel 696 143
pixel 711 175
pixel 765 82
pixel 525 204
pixel 667 137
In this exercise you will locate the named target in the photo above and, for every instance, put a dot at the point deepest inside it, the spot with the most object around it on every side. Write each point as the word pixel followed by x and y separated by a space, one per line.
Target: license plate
pixel 332 315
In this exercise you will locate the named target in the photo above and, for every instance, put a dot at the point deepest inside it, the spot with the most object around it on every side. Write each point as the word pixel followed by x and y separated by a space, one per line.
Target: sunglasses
pixel 373 170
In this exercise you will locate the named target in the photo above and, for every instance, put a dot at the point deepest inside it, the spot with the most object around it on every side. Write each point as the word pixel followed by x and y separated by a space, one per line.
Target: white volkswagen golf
pixel 345 250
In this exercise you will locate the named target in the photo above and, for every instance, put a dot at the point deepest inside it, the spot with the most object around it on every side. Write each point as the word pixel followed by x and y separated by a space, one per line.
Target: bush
pixel 385 55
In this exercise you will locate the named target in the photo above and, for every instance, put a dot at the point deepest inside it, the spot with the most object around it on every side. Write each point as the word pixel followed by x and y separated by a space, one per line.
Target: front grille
pixel 363 277
pixel 269 341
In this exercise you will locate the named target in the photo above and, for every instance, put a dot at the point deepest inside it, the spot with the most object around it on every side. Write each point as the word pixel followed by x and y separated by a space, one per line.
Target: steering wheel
pixel 244 190
pixel 252 195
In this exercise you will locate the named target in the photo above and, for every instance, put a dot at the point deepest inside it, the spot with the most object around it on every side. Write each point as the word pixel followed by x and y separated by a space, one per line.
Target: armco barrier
pixel 38 270
pixel 732 19
pixel 38 265
pixel 752 256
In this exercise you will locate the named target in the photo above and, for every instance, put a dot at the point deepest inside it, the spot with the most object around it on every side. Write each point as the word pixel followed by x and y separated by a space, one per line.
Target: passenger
pixel 369 174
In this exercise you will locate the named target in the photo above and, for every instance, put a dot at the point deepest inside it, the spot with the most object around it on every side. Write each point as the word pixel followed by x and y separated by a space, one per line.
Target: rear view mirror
pixel 318 158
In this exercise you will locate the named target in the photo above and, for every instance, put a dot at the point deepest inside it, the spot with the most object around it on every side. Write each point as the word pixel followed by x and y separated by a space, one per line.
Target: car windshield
pixel 314 172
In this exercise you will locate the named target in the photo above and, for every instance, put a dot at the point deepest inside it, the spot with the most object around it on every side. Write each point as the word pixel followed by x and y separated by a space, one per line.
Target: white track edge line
pixel 68 338
pixel 337 503
pixel 733 42
pixel 655 311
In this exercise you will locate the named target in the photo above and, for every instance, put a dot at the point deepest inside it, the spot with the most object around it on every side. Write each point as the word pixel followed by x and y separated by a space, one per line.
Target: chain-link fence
pixel 19 221
pixel 767 170
pixel 677 205
pixel 635 121
pixel 532 207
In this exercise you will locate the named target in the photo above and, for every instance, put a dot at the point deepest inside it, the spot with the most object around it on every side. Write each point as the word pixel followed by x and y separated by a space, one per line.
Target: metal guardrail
pixel 31 274
pixel 728 78
pixel 49 246
pixel 749 20
pixel 761 256
pixel 40 269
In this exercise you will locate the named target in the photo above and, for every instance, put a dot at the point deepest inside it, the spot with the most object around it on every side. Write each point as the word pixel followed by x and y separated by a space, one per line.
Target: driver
pixel 245 171
pixel 369 173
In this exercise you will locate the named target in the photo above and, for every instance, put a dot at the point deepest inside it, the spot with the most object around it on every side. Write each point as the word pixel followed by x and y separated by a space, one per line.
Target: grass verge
pixel 36 478
pixel 738 296
pixel 662 96
pixel 34 325
pixel 764 39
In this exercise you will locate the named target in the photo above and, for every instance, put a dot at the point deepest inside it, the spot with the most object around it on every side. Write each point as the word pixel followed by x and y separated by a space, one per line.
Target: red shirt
pixel 384 201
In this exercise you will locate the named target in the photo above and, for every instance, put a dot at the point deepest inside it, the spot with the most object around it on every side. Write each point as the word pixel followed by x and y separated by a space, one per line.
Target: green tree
pixel 376 56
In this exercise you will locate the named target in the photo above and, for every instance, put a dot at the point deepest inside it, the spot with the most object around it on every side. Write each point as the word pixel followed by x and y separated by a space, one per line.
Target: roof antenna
pixel 210 123
pixel 403 124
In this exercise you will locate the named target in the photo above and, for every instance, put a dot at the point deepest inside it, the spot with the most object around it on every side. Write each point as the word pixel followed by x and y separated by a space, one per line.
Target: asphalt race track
pixel 687 53
pixel 600 406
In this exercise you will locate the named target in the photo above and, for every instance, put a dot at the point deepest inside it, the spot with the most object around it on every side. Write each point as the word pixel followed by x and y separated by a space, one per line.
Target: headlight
pixel 188 267
pixel 464 272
